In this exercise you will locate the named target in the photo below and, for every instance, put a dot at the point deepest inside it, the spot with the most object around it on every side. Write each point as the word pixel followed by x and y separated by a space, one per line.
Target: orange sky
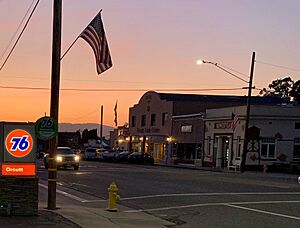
pixel 154 45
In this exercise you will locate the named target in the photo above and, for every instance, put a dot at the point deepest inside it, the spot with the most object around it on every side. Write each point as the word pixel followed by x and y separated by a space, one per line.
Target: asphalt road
pixel 189 198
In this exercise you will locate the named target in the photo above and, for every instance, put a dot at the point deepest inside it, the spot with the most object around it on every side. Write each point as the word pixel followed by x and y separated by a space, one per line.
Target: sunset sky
pixel 154 45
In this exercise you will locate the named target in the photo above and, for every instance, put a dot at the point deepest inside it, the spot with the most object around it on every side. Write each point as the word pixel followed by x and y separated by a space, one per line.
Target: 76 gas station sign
pixel 17 149
pixel 19 143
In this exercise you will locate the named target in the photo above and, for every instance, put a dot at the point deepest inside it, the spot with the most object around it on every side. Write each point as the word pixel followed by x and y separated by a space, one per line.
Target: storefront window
pixel 164 118
pixel 296 152
pixel 133 121
pixel 267 149
pixel 143 121
pixel 153 119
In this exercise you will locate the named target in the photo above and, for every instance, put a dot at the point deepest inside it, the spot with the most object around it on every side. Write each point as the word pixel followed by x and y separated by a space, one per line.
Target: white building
pixel 279 141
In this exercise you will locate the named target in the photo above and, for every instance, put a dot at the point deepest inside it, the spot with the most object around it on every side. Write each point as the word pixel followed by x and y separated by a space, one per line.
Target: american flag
pixel 234 120
pixel 116 114
pixel 95 36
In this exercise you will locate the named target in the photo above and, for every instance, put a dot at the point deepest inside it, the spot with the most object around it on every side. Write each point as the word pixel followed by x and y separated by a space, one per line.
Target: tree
pixel 89 134
pixel 295 92
pixel 283 88
pixel 85 136
pixel 279 87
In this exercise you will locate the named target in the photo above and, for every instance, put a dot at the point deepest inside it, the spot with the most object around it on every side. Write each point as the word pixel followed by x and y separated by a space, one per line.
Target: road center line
pixel 198 194
pixel 210 194
pixel 261 211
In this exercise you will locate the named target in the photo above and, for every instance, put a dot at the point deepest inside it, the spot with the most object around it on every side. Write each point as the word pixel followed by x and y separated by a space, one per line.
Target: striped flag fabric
pixel 234 120
pixel 116 113
pixel 94 35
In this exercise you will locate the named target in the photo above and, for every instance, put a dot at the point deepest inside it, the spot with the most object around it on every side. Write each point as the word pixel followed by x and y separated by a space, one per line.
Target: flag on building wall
pixel 234 120
pixel 116 113
pixel 95 36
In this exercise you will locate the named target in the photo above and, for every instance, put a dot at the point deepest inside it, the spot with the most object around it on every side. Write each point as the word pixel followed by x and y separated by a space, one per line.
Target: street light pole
pixel 244 155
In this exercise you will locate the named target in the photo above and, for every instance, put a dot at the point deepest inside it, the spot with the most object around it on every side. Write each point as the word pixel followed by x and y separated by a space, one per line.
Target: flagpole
pixel 101 125
pixel 69 48
pixel 73 43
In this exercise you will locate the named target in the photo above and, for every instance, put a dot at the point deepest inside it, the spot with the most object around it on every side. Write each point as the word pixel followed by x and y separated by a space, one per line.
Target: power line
pixel 20 34
pixel 84 115
pixel 279 66
pixel 105 81
pixel 15 33
pixel 120 90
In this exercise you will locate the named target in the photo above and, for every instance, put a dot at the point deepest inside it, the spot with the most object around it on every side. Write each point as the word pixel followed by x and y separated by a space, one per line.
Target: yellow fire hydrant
pixel 265 168
pixel 113 197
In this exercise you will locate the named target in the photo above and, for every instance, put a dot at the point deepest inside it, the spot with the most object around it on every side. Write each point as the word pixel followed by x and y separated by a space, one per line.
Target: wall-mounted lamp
pixel 170 139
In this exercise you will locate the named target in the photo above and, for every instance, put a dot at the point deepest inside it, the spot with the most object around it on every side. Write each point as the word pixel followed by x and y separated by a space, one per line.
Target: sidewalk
pixel 259 174
pixel 70 216
pixel 99 217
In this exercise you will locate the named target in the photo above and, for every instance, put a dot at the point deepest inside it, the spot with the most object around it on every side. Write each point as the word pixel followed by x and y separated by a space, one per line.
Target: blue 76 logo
pixel 20 143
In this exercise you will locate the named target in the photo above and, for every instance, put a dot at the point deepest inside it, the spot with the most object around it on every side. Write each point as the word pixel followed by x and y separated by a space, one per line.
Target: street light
pixel 199 62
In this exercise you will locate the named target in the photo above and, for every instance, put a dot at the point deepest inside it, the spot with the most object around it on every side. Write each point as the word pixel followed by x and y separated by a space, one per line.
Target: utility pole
pixel 55 80
pixel 101 125
pixel 244 155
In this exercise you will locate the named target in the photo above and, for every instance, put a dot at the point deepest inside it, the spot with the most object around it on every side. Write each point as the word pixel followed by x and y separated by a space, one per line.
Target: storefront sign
pixel 186 129
pixel 18 170
pixel 148 130
pixel 223 125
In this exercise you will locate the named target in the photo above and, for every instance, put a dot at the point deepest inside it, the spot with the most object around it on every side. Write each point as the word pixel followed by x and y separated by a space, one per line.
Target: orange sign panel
pixel 18 170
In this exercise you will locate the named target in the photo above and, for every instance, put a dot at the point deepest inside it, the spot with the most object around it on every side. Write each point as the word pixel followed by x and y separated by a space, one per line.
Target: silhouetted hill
pixel 69 127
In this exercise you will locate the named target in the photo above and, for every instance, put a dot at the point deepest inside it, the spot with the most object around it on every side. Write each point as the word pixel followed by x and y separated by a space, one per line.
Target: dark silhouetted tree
pixel 85 136
pixel 279 87
pixel 295 92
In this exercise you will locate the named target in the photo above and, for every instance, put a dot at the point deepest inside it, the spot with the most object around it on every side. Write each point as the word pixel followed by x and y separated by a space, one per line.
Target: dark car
pixel 140 158
pixel 123 156
pixel 65 157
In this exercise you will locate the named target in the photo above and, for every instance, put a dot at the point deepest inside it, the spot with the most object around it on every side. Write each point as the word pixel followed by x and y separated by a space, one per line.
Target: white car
pixel 65 157
pixel 91 154
pixel 108 155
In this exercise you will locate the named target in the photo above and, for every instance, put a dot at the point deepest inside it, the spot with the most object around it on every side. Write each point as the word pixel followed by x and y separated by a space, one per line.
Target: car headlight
pixel 59 159
pixel 77 158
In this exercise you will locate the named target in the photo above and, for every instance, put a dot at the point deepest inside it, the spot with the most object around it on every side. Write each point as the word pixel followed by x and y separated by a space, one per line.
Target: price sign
pixel 46 128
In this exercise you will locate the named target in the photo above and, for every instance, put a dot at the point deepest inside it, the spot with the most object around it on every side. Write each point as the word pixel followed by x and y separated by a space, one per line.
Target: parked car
pixel 123 156
pixel 91 154
pixel 65 157
pixel 140 158
pixel 109 155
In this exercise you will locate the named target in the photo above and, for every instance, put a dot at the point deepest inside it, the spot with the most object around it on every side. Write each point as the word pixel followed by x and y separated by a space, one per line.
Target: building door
pixel 225 151
pixel 156 152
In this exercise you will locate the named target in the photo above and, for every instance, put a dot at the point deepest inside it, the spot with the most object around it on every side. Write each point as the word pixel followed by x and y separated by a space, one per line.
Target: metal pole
pixel 244 155
pixel 55 79
pixel 101 126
